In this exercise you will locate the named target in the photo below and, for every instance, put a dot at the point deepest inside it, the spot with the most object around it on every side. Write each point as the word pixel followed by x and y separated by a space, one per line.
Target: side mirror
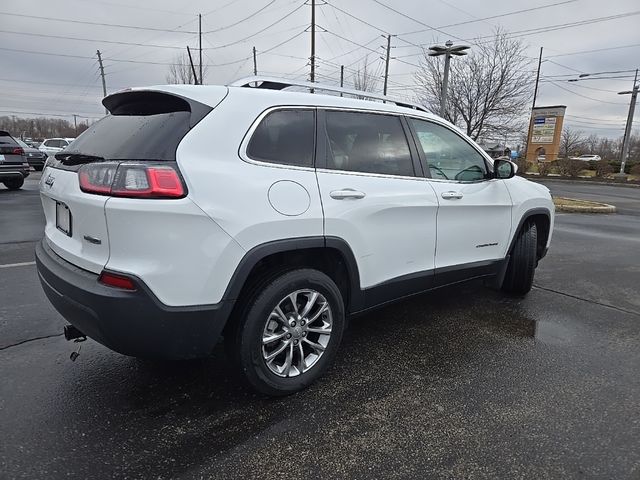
pixel 504 169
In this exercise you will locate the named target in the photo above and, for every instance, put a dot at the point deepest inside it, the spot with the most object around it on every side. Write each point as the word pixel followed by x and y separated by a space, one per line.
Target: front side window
pixel 449 156
pixel 367 142
pixel 286 137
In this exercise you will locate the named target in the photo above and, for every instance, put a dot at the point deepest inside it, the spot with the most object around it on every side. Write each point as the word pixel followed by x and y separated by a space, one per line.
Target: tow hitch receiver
pixel 72 333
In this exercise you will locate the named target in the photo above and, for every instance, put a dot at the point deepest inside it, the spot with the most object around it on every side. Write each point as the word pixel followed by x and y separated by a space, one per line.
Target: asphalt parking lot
pixel 460 383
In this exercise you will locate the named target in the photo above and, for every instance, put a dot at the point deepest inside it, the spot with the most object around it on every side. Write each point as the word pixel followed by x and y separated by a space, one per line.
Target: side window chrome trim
pixel 367 174
pixel 242 150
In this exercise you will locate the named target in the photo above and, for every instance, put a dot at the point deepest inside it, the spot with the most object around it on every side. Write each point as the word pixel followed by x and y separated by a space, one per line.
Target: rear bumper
pixel 132 323
pixel 8 171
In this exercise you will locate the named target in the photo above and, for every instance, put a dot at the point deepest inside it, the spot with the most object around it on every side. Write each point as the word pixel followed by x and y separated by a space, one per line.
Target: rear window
pixel 285 137
pixel 141 126
pixel 7 140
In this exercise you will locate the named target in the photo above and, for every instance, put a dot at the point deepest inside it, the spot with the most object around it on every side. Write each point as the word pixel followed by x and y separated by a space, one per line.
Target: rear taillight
pixel 18 151
pixel 117 281
pixel 131 180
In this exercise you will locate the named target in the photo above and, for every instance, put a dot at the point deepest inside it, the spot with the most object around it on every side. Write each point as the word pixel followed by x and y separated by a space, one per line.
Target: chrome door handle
pixel 347 193
pixel 451 195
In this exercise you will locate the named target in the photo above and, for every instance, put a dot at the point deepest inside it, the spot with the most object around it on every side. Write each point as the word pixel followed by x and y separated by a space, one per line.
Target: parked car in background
pixel 13 164
pixel 587 158
pixel 51 146
pixel 35 157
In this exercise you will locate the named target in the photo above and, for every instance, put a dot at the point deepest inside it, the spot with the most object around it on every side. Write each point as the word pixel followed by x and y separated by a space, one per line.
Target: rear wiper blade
pixel 77 158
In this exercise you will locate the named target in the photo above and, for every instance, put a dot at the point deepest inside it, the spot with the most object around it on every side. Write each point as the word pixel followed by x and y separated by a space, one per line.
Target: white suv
pixel 268 217
pixel 51 146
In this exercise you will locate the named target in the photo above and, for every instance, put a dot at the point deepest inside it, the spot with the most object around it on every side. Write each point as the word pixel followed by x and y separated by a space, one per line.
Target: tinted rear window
pixel 286 137
pixel 142 126
pixel 7 140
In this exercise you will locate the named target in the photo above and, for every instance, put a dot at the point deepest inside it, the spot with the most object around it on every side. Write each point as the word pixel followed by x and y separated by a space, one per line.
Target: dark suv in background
pixel 13 163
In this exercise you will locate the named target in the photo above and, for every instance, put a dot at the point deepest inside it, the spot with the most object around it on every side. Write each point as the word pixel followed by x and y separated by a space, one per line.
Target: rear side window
pixel 285 137
pixel 367 142
pixel 141 126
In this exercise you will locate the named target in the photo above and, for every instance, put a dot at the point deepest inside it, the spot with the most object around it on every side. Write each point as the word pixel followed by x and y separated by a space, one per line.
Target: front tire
pixel 522 263
pixel 14 184
pixel 289 332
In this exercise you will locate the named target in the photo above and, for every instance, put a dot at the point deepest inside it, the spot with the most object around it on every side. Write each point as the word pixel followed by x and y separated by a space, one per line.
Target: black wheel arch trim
pixel 264 250
pixel 528 214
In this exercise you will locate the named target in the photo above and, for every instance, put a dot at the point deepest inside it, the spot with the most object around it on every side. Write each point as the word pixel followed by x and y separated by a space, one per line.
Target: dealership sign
pixel 544 129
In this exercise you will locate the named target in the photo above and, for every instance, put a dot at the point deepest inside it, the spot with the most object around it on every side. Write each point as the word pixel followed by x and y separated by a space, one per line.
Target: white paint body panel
pixel 527 196
pixel 391 231
pixel 177 250
pixel 475 227
pixel 87 218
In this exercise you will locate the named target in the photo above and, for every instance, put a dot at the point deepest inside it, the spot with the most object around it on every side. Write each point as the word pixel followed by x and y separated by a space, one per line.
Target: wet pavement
pixel 459 383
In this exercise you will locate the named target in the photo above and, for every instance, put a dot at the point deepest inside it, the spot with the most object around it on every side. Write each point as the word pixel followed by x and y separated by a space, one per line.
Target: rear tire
pixel 14 184
pixel 307 346
pixel 522 263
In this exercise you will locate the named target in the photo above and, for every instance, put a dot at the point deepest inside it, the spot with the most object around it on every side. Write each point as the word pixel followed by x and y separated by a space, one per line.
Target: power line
pixel 47 114
pixel 89 39
pixel 549 28
pixel 416 20
pixel 255 33
pixel 243 20
pixel 83 22
pixel 491 17
pixel 596 50
pixel 583 96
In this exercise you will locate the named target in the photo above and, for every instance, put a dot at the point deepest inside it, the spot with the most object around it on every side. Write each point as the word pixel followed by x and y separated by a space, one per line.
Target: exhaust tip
pixel 71 333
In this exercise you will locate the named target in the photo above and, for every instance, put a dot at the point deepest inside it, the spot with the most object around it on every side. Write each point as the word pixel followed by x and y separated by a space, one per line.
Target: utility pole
pixel 200 42
pixel 312 76
pixel 193 68
pixel 104 83
pixel 535 96
pixel 255 62
pixel 535 92
pixel 75 123
pixel 341 77
pixel 386 65
pixel 627 130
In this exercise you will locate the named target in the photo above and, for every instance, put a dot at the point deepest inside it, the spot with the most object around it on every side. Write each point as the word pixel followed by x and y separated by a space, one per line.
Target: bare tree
pixel 571 141
pixel 489 90
pixel 366 77
pixel 180 71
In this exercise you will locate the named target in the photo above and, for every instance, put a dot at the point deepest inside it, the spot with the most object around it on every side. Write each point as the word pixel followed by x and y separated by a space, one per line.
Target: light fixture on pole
pixel 447 50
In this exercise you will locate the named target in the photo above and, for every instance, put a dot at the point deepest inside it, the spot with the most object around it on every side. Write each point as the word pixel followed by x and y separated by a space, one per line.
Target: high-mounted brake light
pixel 117 281
pixel 131 180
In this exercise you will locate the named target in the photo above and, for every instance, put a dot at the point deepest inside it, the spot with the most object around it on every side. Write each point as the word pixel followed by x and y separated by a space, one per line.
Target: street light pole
pixel 447 50
pixel 627 130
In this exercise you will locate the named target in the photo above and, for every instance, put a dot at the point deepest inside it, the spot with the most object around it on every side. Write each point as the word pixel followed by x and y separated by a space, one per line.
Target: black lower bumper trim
pixel 133 323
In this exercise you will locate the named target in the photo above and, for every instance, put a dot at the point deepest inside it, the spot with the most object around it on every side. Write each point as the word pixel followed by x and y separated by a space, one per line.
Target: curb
pixel 537 179
pixel 593 207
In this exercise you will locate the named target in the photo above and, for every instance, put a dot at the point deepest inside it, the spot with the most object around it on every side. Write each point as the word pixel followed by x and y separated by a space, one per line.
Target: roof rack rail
pixel 275 83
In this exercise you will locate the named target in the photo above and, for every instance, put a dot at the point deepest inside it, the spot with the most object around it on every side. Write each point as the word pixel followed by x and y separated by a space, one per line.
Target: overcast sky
pixel 48 82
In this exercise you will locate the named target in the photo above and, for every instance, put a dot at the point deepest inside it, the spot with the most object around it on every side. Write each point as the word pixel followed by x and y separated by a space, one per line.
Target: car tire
pixel 14 184
pixel 258 322
pixel 518 279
